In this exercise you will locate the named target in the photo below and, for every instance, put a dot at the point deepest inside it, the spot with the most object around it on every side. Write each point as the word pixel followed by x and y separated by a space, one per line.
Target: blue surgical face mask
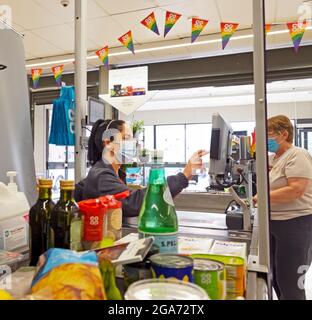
pixel 127 152
pixel 273 145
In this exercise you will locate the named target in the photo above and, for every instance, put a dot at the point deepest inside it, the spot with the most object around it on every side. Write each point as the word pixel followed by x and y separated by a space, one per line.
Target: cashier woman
pixel 291 210
pixel 111 144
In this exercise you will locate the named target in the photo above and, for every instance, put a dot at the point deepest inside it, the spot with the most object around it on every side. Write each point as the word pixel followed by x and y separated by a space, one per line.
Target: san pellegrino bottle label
pixel 165 243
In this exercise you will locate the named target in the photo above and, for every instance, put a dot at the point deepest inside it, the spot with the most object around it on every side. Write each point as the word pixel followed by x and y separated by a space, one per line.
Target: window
pixel 149 137
pixel 171 139
pixel 198 137
pixel 244 126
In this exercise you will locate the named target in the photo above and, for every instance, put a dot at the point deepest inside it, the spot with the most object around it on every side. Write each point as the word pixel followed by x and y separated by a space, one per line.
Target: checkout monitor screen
pixel 96 109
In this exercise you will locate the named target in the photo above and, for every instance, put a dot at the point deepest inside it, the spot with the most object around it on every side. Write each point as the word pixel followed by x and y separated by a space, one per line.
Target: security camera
pixel 65 3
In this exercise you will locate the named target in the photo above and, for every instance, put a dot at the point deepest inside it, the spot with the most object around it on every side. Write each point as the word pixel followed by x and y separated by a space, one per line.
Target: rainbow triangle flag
pixel 150 23
pixel 297 30
pixel 198 26
pixel 171 20
pixel 267 28
pixel 36 75
pixel 227 31
pixel 103 55
pixel 127 41
pixel 58 71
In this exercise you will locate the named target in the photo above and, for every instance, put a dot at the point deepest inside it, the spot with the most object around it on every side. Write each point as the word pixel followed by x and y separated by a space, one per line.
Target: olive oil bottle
pixel 66 221
pixel 39 222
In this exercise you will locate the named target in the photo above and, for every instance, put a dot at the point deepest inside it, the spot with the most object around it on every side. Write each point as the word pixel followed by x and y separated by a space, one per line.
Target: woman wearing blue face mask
pixel 291 210
pixel 111 144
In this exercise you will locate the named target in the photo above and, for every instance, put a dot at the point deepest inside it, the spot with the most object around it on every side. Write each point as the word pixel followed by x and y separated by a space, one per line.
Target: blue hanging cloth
pixel 63 118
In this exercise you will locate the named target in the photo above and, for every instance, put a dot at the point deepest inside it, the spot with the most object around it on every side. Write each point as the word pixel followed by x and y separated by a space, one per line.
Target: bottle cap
pixel 67 185
pixel 12 185
pixel 45 183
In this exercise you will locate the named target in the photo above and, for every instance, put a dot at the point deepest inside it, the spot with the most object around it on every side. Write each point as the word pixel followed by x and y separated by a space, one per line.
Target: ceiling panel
pixel 239 11
pixel 68 14
pixel 29 15
pixel 52 34
pixel 270 10
pixel 115 7
pixel 39 47
pixel 105 31
pixel 289 12
pixel 52 26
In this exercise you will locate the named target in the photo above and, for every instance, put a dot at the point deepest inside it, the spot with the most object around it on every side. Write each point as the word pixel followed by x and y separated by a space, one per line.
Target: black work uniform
pixel 102 180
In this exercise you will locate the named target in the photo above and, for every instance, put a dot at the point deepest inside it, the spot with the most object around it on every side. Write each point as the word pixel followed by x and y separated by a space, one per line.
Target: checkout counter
pixel 202 215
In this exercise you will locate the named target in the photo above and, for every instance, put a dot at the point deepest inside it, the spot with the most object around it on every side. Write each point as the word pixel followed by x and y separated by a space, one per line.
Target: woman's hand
pixel 196 162
pixel 255 200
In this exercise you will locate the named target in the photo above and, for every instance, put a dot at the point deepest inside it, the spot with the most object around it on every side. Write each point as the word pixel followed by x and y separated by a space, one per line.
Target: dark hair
pixel 95 144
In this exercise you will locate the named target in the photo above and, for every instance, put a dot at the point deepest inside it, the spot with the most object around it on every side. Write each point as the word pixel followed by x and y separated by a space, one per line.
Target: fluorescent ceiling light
pixel 175 46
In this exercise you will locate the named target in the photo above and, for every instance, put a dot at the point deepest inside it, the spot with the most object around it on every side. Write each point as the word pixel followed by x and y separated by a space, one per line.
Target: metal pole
pixel 261 134
pixel 80 84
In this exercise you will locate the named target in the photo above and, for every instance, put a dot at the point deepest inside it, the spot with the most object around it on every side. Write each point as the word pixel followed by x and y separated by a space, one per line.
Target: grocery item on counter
pixel 158 217
pixel 95 223
pixel 40 222
pixel 126 253
pixel 190 245
pixel 109 280
pixel 170 266
pixel 138 271
pixel 165 289
pixel 8 258
pixel 68 275
pixel 20 282
pixel 14 209
pixel 4 295
pixel 235 273
pixel 114 215
pixel 236 249
pixel 66 220
pixel 211 276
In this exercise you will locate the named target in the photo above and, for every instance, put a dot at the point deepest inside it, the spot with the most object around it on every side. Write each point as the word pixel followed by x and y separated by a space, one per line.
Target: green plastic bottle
pixel 158 217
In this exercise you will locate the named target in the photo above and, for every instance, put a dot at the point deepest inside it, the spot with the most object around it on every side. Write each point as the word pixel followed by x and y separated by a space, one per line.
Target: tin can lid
pixel 171 260
pixel 207 265
pixel 164 289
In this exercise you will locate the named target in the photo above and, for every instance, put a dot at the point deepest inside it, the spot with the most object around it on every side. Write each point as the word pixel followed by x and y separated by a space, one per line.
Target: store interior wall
pixel 294 110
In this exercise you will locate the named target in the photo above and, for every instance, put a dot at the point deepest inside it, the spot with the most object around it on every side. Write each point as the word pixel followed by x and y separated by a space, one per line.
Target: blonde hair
pixel 281 123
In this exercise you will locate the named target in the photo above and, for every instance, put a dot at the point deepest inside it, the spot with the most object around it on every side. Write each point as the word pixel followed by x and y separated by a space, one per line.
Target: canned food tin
pixel 235 266
pixel 171 266
pixel 165 289
pixel 210 275
pixel 235 296
pixel 235 285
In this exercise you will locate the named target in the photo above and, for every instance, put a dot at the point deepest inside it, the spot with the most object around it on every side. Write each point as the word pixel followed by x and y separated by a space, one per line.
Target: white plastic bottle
pixel 14 209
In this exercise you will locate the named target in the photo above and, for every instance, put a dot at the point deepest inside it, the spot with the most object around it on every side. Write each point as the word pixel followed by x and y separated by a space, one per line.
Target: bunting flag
pixel 103 55
pixel 127 41
pixel 150 23
pixel 36 75
pixel 198 26
pixel 297 30
pixel 268 28
pixel 171 20
pixel 227 31
pixel 57 71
